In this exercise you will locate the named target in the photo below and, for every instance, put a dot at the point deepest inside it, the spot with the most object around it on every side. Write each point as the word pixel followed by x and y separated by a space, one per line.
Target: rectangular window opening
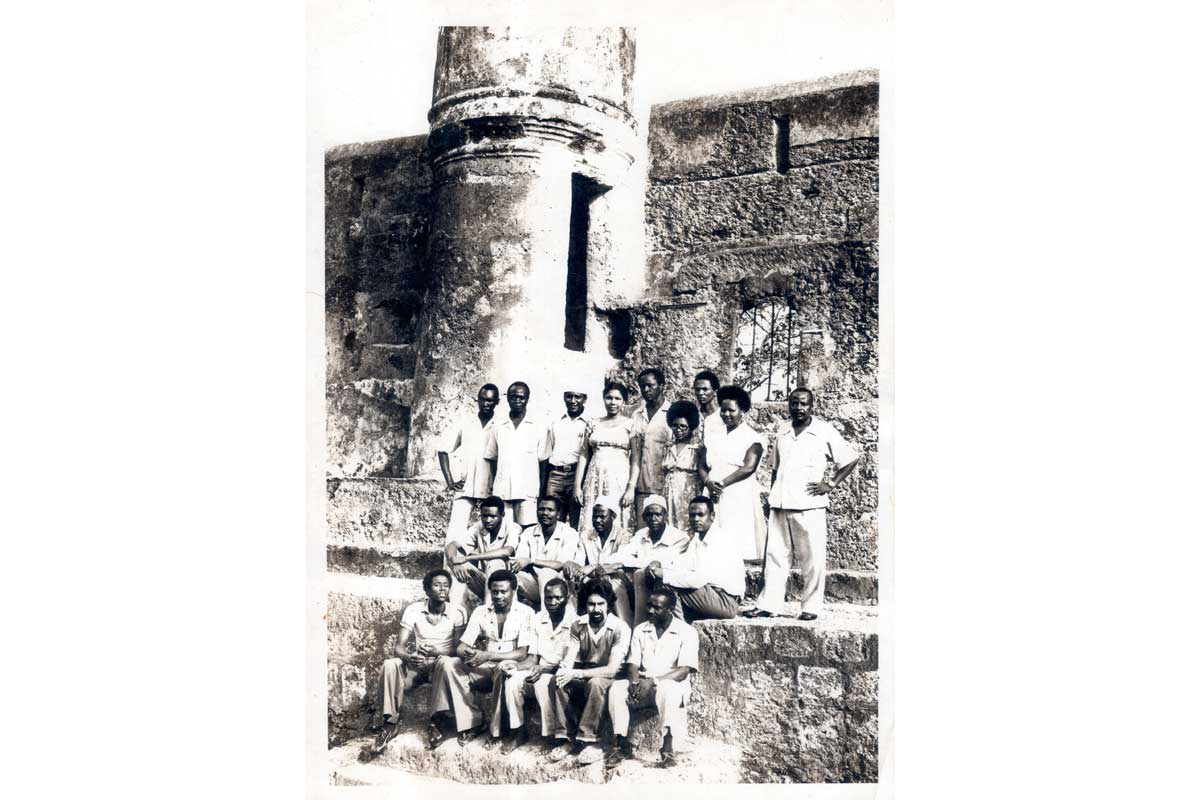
pixel 783 143
pixel 583 192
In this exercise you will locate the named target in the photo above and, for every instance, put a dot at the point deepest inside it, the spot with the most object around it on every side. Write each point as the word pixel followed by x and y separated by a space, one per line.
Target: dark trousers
pixel 561 484
pixel 592 695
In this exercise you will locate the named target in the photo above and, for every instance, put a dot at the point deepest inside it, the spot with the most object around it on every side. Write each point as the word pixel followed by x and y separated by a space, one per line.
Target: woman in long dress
pixel 683 462
pixel 608 460
pixel 733 452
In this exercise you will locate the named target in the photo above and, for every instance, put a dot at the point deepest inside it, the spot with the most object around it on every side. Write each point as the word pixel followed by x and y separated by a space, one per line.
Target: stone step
pixel 366 558
pixel 407 762
pixel 799 698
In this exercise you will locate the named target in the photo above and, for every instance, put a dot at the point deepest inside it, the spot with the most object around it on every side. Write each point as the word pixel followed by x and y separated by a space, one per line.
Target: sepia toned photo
pixel 602 425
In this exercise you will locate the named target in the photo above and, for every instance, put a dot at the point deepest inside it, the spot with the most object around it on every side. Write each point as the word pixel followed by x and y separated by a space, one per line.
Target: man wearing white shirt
pixel 656 545
pixel 466 441
pixel 796 530
pixel 566 440
pixel 709 575
pixel 489 544
pixel 520 449
pixel 543 552
pixel 601 551
pixel 664 651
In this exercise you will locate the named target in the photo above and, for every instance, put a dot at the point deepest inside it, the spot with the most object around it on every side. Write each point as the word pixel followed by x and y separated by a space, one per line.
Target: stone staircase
pixel 776 700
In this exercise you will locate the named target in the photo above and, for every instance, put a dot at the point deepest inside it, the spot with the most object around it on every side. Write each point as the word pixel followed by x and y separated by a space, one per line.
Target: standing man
pixel 650 424
pixel 490 543
pixel 520 449
pixel 428 628
pixel 566 440
pixel 551 630
pixel 705 386
pixel 709 575
pixel 465 684
pixel 658 544
pixel 543 552
pixel 596 649
pixel 804 447
pixel 663 654
pixel 467 438
pixel 599 551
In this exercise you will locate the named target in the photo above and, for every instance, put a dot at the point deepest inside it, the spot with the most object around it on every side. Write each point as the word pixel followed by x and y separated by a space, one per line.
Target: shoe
pixel 492 743
pixel 560 752
pixel 389 732
pixel 755 612
pixel 512 743
pixel 668 760
pixel 616 755
pixel 806 616
pixel 590 755
pixel 466 737
pixel 376 724
pixel 434 737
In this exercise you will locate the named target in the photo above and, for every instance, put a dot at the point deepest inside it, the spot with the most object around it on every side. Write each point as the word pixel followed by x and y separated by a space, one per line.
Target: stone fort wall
pixel 767 194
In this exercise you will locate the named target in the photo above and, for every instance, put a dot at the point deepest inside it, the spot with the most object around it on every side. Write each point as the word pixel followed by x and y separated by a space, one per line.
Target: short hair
pixel 489 387
pixel 557 582
pixel 662 590
pixel 552 497
pixel 515 384
pixel 684 409
pixel 735 393
pixel 812 398
pixel 702 499
pixel 708 375
pixel 600 587
pixel 427 581
pixel 655 371
pixel 620 387
pixel 502 575
pixel 492 502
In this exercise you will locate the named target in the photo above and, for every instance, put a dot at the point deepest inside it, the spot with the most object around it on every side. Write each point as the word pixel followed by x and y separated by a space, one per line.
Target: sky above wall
pixel 371 62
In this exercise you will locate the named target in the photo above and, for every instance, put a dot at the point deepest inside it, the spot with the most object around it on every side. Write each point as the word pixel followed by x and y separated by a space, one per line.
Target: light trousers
pixel 395 678
pixel 669 698
pixel 794 537
pixel 531 584
pixel 515 692
pixel 452 691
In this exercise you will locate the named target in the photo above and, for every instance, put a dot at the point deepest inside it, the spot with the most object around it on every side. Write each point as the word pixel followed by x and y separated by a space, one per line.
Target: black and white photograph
pixel 602 407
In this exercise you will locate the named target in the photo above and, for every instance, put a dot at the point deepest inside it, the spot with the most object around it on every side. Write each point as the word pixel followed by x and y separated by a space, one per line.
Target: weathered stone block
pixel 849 112
pixel 708 142
pixel 389 513
pixel 367 428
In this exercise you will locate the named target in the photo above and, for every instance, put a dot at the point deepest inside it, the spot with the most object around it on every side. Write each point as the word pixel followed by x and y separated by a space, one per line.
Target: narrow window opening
pixel 783 143
pixel 583 192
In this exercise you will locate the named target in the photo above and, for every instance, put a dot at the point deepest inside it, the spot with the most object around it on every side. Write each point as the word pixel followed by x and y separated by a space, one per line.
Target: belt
pixel 564 468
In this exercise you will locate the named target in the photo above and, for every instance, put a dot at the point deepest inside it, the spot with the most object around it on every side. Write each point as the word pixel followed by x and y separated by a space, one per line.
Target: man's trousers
pixel 395 678
pixel 799 537
pixel 561 484
pixel 521 510
pixel 592 695
pixel 515 692
pixel 475 578
pixel 531 583
pixel 707 602
pixel 452 691
pixel 669 697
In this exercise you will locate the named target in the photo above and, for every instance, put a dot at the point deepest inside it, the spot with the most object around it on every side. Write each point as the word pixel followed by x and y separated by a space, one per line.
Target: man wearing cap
pixel 566 439
pixel 599 549
pixel 543 552
pixel 659 543
pixel 520 449
pixel 709 575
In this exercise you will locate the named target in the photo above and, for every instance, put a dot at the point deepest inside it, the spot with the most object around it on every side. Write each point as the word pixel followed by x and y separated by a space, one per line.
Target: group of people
pixel 556 509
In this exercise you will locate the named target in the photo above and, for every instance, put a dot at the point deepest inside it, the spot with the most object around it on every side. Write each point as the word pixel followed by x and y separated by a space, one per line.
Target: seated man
pixel 551 630
pixel 599 551
pixel 490 543
pixel 596 649
pixel 709 575
pixel 542 552
pixel 657 543
pixel 464 684
pixel 428 628
pixel 663 654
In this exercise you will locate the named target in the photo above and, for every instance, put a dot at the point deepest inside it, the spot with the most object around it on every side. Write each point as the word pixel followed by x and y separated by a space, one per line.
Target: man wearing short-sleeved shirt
pixel 566 440
pixel 490 543
pixel 664 651
pixel 428 628
pixel 465 441
pixel 543 551
pixel 650 424
pixel 496 636
pixel 804 447
pixel 596 649
pixel 520 449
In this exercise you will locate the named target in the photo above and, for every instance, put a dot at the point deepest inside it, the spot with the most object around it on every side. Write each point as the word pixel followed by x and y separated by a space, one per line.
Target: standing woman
pixel 733 452
pixel 683 462
pixel 608 459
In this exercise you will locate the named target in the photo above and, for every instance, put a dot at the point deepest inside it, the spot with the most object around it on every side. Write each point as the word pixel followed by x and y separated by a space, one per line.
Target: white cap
pixel 655 500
